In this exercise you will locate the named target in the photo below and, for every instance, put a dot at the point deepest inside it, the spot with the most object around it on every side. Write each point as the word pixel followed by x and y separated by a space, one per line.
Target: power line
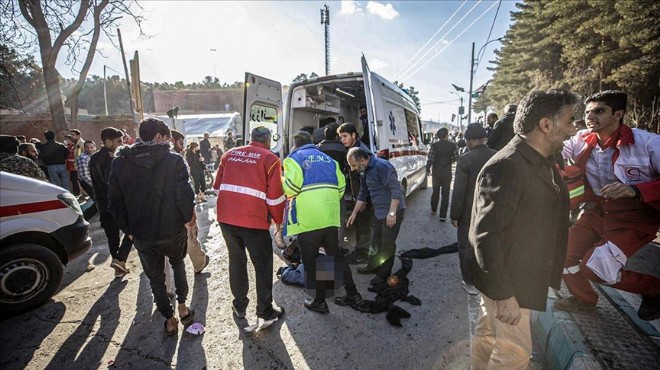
pixel 441 102
pixel 440 40
pixel 448 45
pixel 431 38
pixel 481 55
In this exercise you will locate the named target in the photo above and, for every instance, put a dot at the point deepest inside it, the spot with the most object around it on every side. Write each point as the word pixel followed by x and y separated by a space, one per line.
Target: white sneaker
pixel 469 288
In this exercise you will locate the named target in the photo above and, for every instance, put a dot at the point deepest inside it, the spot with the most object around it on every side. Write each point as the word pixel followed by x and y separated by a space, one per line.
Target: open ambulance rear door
pixel 263 107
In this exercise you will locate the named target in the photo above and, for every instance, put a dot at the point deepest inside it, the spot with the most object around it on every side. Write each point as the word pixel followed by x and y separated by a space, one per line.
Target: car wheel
pixel 29 276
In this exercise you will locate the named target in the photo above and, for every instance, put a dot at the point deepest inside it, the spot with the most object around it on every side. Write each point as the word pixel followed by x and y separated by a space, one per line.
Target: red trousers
pixel 587 234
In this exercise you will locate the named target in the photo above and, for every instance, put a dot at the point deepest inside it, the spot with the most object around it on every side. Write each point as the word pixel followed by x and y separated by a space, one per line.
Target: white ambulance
pixel 41 230
pixel 395 126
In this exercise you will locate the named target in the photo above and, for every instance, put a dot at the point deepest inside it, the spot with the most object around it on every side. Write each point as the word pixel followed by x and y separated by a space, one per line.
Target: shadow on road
pixel 17 354
pixel 84 348
pixel 191 354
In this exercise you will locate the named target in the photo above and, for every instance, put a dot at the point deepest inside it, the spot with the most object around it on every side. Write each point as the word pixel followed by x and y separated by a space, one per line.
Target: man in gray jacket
pixel 519 230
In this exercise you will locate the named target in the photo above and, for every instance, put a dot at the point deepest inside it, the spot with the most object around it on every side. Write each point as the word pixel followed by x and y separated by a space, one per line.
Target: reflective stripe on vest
pixel 251 192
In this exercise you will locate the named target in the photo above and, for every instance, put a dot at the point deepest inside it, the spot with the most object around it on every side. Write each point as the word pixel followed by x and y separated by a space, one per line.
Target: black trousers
pixel 199 182
pixel 259 245
pixel 90 211
pixel 117 251
pixel 320 278
pixel 75 187
pixel 441 181
pixel 364 223
pixel 385 239
pixel 466 257
pixel 152 256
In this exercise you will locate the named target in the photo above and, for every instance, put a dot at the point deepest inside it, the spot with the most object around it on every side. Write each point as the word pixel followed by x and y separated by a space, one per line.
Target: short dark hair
pixel 68 137
pixel 20 137
pixel 615 99
pixel 88 142
pixel 348 128
pixel 510 109
pixel 23 147
pixel 74 131
pixel 260 134
pixel 541 104
pixel 176 135
pixel 49 135
pixel 110 133
pixel 302 138
pixel 357 153
pixel 151 127
pixel 493 114
pixel 442 133
pixel 330 131
pixel 8 144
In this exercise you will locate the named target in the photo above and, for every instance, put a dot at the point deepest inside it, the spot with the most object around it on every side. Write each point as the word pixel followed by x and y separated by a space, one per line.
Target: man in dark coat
pixel 467 168
pixel 54 154
pixel 441 156
pixel 152 202
pixel 519 230
pixel 99 170
pixel 503 130
pixel 337 151
pixel 205 148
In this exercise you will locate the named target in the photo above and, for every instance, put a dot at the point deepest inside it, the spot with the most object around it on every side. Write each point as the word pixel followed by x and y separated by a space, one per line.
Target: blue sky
pixel 279 40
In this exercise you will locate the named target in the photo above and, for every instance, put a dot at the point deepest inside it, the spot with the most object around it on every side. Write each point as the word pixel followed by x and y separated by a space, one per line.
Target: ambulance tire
pixel 29 276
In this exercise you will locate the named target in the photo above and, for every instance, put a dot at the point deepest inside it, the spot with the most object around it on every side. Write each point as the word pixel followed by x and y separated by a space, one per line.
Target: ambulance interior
pixel 313 104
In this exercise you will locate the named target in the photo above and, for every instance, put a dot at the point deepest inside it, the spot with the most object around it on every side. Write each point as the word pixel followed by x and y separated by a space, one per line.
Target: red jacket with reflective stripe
pixel 249 187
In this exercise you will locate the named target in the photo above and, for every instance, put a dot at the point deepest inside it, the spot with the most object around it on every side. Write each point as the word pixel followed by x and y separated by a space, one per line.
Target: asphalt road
pixel 96 321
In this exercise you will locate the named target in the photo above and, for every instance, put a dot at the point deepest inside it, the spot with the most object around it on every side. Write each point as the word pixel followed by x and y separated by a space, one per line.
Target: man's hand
pixel 508 311
pixel 617 190
pixel 351 219
pixel 454 223
pixel 192 221
pixel 391 220
pixel 428 172
pixel 362 207
pixel 130 237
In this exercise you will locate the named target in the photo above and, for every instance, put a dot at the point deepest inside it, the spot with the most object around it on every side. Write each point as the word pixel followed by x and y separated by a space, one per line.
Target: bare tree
pixel 75 26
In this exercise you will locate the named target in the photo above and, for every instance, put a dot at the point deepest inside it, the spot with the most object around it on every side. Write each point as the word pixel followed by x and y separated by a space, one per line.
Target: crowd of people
pixel 509 204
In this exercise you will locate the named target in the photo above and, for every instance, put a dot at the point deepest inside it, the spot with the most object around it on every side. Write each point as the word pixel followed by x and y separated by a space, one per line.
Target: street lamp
pixel 472 72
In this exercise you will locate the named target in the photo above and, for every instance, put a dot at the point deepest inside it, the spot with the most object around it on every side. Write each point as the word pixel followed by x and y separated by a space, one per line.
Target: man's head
pixel 68 139
pixel 475 135
pixel 604 111
pixel 153 129
pixel 347 134
pixel 330 131
pixel 363 111
pixel 580 124
pixel 260 134
pixel 358 159
pixel 8 144
pixel 90 147
pixel 206 135
pixel 442 134
pixel 491 118
pixel 21 139
pixel 510 109
pixel 193 147
pixel 28 150
pixel 177 141
pixel 112 138
pixel 302 138
pixel 49 135
pixel 547 115
pixel 75 134
pixel 229 134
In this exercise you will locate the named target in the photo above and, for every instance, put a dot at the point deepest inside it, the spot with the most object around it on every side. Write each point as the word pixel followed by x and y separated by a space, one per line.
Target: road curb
pixel 562 341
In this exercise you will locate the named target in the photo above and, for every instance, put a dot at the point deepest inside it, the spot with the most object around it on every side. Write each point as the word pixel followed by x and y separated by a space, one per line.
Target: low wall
pixel 90 126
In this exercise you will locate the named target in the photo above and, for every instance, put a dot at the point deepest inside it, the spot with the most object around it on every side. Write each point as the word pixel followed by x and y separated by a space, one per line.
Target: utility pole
pixel 471 79
pixel 128 82
pixel 105 90
pixel 325 20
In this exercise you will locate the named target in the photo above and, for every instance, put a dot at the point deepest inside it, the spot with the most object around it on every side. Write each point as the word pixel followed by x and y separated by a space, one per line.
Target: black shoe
pixel 571 304
pixel 347 300
pixel 316 306
pixel 276 313
pixel 367 270
pixel 650 308
pixel 442 219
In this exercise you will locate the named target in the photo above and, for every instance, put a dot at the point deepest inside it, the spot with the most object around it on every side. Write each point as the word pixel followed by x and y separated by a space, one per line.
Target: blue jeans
pixel 58 175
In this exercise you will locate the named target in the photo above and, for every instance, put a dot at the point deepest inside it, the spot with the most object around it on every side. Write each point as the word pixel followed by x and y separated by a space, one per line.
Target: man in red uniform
pixel 250 197
pixel 621 167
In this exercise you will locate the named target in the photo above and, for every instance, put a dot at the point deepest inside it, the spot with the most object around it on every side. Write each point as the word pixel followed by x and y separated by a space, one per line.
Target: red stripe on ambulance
pixel 21 209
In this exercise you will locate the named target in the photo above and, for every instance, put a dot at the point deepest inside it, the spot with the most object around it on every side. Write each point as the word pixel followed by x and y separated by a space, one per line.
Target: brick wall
pixel 90 126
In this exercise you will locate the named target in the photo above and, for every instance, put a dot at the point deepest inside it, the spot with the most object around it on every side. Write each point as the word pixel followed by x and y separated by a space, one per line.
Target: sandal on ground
pixel 171 333
pixel 188 319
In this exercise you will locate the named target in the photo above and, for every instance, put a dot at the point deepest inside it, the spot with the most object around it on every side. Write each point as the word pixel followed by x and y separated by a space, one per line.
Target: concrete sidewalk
pixel 611 337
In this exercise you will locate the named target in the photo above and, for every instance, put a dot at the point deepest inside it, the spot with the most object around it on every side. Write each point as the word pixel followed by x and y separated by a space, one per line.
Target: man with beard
pixel 519 230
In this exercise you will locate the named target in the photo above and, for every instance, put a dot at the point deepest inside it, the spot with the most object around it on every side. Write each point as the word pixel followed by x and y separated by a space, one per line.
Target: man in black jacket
pixel 99 170
pixel 337 151
pixel 503 130
pixel 441 156
pixel 53 155
pixel 519 230
pixel 467 168
pixel 152 201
